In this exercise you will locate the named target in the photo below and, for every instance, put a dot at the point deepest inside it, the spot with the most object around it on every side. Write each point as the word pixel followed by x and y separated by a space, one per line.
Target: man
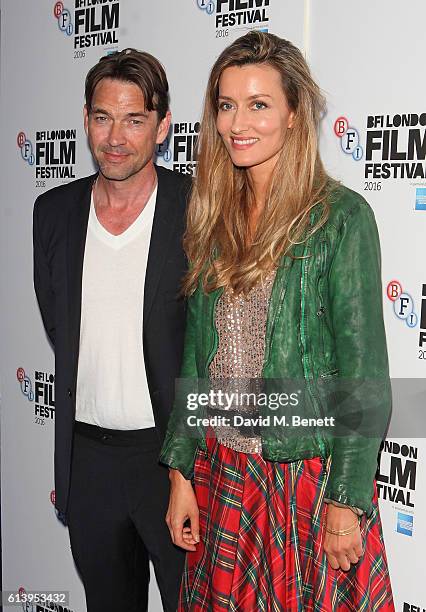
pixel 108 261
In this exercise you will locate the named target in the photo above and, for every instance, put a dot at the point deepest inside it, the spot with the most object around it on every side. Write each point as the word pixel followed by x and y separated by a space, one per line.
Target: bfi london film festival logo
pixel 236 14
pixel 40 392
pixel 395 148
pixel 396 481
pixel 404 309
pixel 53 156
pixel 179 148
pixel 94 23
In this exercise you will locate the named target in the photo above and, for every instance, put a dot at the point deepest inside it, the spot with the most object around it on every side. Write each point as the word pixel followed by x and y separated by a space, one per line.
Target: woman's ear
pixel 291 119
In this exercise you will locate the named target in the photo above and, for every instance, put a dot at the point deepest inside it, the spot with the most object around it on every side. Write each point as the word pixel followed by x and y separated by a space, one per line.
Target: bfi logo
pixel 349 138
pixel 26 147
pixel 25 384
pixel 64 19
pixel 403 304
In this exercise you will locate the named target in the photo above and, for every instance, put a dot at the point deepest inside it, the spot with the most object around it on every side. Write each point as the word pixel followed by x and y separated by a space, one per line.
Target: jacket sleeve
pixel 180 445
pixel 42 282
pixel 363 395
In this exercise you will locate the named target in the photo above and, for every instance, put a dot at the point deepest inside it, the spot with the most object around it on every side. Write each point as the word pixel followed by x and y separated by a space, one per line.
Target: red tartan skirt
pixel 262 529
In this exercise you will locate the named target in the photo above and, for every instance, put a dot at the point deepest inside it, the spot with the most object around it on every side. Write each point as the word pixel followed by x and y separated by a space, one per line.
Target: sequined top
pixel 237 365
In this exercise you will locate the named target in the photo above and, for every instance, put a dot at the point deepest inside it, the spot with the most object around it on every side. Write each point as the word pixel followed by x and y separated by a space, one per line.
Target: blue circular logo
pixel 358 153
pixel 411 320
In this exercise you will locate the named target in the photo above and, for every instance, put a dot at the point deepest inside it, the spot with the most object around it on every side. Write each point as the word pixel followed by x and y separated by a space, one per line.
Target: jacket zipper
pixel 303 338
pixel 321 309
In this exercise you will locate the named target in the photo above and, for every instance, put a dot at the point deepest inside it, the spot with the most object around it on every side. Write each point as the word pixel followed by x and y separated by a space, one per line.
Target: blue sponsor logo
pixel 420 198
pixel 404 524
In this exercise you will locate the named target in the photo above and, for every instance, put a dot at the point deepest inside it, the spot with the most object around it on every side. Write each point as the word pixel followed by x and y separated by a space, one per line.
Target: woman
pixel 284 285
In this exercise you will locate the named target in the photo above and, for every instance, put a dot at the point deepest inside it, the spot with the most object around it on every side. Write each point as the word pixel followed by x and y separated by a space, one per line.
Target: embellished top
pixel 236 368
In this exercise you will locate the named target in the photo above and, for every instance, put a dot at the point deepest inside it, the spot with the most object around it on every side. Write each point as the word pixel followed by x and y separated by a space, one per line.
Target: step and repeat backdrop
pixel 368 58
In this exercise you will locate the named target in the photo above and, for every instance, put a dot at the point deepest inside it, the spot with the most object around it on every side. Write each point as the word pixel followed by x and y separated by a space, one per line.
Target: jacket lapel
pixel 161 237
pixel 77 230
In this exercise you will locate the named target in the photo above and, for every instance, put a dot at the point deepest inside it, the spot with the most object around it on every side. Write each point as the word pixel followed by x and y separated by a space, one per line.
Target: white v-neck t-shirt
pixel 112 387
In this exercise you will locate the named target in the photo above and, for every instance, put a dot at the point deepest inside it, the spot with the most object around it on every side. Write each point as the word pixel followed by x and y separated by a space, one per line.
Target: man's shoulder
pixel 178 183
pixel 63 196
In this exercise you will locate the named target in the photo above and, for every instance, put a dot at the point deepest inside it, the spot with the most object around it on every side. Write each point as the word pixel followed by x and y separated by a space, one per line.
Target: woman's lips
pixel 242 144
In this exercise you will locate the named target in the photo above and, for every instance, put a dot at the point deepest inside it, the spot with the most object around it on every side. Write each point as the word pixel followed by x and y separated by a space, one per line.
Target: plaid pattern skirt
pixel 261 530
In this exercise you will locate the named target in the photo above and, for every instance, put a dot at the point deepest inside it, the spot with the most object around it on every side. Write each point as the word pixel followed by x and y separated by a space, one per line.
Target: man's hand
pixel 182 506
pixel 342 550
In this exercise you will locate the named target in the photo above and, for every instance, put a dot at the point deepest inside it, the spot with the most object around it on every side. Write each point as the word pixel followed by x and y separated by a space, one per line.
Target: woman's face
pixel 253 115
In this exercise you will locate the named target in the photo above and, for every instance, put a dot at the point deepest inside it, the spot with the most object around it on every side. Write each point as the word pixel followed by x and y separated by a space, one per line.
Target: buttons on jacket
pixel 69 391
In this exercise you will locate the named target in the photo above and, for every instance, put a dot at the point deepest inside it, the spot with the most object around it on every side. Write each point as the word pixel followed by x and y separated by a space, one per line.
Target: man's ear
pixel 86 118
pixel 163 128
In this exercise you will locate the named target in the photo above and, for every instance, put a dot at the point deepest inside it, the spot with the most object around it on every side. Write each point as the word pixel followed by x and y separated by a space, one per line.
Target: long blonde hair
pixel 217 239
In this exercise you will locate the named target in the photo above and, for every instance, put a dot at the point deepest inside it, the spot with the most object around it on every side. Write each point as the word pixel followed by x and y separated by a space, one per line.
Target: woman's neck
pixel 259 181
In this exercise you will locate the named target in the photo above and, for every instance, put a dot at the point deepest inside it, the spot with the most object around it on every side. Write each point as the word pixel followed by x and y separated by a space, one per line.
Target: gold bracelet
pixel 345 531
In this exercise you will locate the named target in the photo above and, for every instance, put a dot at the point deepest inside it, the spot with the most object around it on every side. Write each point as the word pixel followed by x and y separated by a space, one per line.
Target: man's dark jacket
pixel 59 232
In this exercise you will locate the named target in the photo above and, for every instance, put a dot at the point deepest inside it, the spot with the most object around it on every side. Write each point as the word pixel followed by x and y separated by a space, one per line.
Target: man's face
pixel 122 133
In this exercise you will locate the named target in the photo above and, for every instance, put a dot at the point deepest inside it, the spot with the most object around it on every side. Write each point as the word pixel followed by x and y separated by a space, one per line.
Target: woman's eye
pixel 259 105
pixel 225 106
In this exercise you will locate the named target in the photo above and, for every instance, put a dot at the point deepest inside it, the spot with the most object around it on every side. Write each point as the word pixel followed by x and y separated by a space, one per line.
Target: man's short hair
pixel 137 67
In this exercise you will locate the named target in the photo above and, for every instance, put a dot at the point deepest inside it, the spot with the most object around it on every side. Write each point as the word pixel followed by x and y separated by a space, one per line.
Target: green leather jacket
pixel 325 327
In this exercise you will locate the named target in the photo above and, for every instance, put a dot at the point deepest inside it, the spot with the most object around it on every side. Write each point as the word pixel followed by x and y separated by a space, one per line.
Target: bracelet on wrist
pixel 345 531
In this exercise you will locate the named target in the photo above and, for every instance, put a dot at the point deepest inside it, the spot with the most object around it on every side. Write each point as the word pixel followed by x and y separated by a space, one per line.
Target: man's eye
pixel 100 118
pixel 135 122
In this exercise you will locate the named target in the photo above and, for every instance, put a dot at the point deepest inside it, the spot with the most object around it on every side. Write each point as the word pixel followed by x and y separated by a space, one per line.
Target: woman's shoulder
pixel 346 204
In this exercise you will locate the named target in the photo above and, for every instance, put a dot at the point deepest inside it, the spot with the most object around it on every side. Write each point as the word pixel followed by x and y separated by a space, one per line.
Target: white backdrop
pixel 368 58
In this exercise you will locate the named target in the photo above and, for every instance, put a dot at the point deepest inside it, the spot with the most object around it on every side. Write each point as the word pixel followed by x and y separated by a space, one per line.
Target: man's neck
pixel 132 193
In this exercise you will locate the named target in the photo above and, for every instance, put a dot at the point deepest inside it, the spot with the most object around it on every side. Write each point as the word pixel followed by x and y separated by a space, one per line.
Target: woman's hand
pixel 182 506
pixel 342 550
